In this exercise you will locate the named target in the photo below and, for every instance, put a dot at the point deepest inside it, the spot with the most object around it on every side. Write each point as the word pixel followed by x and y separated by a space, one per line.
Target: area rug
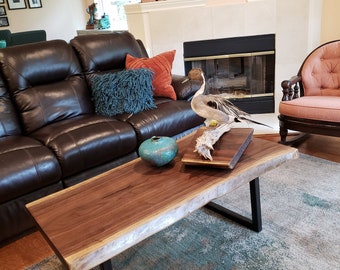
pixel 301 223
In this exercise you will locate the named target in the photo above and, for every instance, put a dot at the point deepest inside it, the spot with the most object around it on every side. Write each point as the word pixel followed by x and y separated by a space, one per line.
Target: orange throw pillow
pixel 161 65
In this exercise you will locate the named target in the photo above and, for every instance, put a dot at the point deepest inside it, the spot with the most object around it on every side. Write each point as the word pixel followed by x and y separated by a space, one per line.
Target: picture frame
pixel 2 11
pixel 16 4
pixel 4 22
pixel 34 3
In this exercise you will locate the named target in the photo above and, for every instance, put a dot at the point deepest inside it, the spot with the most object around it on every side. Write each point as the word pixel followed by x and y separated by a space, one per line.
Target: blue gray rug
pixel 301 224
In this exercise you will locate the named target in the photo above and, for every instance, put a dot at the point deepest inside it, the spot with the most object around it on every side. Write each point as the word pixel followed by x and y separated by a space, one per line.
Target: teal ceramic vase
pixel 158 150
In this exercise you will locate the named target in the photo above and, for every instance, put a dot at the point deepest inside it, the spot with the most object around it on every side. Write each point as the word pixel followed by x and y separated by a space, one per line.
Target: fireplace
pixel 241 67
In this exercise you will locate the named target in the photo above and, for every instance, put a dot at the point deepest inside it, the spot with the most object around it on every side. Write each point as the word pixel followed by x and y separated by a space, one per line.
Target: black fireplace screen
pixel 243 68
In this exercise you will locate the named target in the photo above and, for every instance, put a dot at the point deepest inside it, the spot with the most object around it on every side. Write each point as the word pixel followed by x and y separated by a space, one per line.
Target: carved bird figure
pixel 219 113
pixel 216 109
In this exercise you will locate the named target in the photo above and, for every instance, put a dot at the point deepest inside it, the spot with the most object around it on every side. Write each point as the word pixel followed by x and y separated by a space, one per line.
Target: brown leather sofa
pixel 50 136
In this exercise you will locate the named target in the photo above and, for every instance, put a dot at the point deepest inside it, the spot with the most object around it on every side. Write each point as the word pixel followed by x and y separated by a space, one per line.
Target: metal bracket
pixel 255 223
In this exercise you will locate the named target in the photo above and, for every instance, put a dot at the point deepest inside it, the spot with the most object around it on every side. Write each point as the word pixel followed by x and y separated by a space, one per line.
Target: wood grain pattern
pixel 93 221
pixel 227 150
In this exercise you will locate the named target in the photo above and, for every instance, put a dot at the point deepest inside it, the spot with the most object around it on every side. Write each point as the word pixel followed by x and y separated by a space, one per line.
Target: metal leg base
pixel 255 223
pixel 106 265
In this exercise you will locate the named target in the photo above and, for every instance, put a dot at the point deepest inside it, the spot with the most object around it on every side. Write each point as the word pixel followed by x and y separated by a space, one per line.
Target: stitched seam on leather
pixel 34 163
pixel 79 149
pixel 20 75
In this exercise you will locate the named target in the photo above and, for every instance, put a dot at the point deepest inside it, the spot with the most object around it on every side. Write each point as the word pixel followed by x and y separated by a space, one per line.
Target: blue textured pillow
pixel 127 91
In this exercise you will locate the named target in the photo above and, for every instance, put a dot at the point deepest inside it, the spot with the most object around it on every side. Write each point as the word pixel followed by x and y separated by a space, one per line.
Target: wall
pixel 330 29
pixel 60 18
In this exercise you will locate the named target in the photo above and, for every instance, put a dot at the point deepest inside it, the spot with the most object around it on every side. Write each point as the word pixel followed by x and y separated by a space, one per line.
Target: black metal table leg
pixel 106 265
pixel 255 223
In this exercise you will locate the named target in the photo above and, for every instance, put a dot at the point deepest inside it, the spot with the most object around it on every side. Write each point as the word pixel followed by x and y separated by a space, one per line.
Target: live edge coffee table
pixel 89 223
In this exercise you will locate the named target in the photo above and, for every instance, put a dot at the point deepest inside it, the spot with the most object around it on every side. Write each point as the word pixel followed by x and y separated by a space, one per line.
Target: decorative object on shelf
pixel 219 113
pixel 16 4
pixel 92 10
pixel 2 11
pixel 3 44
pixel 104 22
pixel 158 150
pixel 34 3
pixel 4 22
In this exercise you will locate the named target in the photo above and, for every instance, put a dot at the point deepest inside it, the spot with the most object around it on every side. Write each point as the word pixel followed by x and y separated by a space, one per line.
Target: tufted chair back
pixel 320 71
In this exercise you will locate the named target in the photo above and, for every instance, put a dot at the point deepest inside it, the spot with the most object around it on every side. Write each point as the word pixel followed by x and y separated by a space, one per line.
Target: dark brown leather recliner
pixel 50 136
pixel 28 171
pixel 61 135
pixel 54 105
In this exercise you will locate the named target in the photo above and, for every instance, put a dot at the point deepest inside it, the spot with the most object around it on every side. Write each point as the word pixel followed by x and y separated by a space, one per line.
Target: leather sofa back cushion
pixel 104 52
pixel 44 79
pixel 321 71
pixel 9 124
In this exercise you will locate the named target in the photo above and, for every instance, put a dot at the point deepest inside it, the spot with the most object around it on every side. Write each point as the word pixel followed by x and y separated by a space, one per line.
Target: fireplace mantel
pixel 176 4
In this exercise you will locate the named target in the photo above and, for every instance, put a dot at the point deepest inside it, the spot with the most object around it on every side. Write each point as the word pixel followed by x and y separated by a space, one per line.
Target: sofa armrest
pixel 184 87
pixel 291 88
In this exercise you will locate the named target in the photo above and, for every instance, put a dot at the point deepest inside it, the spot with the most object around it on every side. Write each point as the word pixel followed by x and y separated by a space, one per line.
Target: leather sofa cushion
pixel 323 108
pixel 103 52
pixel 170 118
pixel 44 80
pixel 26 165
pixel 85 141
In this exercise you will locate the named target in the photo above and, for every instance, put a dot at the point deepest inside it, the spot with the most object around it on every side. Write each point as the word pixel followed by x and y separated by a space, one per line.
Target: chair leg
pixel 298 139
pixel 283 135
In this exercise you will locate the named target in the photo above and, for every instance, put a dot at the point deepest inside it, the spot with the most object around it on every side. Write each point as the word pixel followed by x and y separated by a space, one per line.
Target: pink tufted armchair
pixel 311 99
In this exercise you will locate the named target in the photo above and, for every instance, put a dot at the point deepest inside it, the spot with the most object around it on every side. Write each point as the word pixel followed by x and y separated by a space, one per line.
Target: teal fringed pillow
pixel 127 91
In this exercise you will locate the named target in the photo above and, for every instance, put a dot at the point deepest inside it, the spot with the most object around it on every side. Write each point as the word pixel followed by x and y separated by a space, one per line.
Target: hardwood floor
pixel 325 147
pixel 33 248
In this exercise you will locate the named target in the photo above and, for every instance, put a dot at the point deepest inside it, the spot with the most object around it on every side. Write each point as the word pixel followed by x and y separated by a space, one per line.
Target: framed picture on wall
pixel 16 4
pixel 4 21
pixel 34 3
pixel 2 11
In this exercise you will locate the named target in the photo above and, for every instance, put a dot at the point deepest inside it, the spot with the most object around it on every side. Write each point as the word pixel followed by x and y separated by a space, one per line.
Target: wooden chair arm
pixel 291 88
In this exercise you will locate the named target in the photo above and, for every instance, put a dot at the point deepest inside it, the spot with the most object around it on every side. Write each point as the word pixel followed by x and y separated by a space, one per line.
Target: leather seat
pixel 85 141
pixel 26 166
pixel 173 117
